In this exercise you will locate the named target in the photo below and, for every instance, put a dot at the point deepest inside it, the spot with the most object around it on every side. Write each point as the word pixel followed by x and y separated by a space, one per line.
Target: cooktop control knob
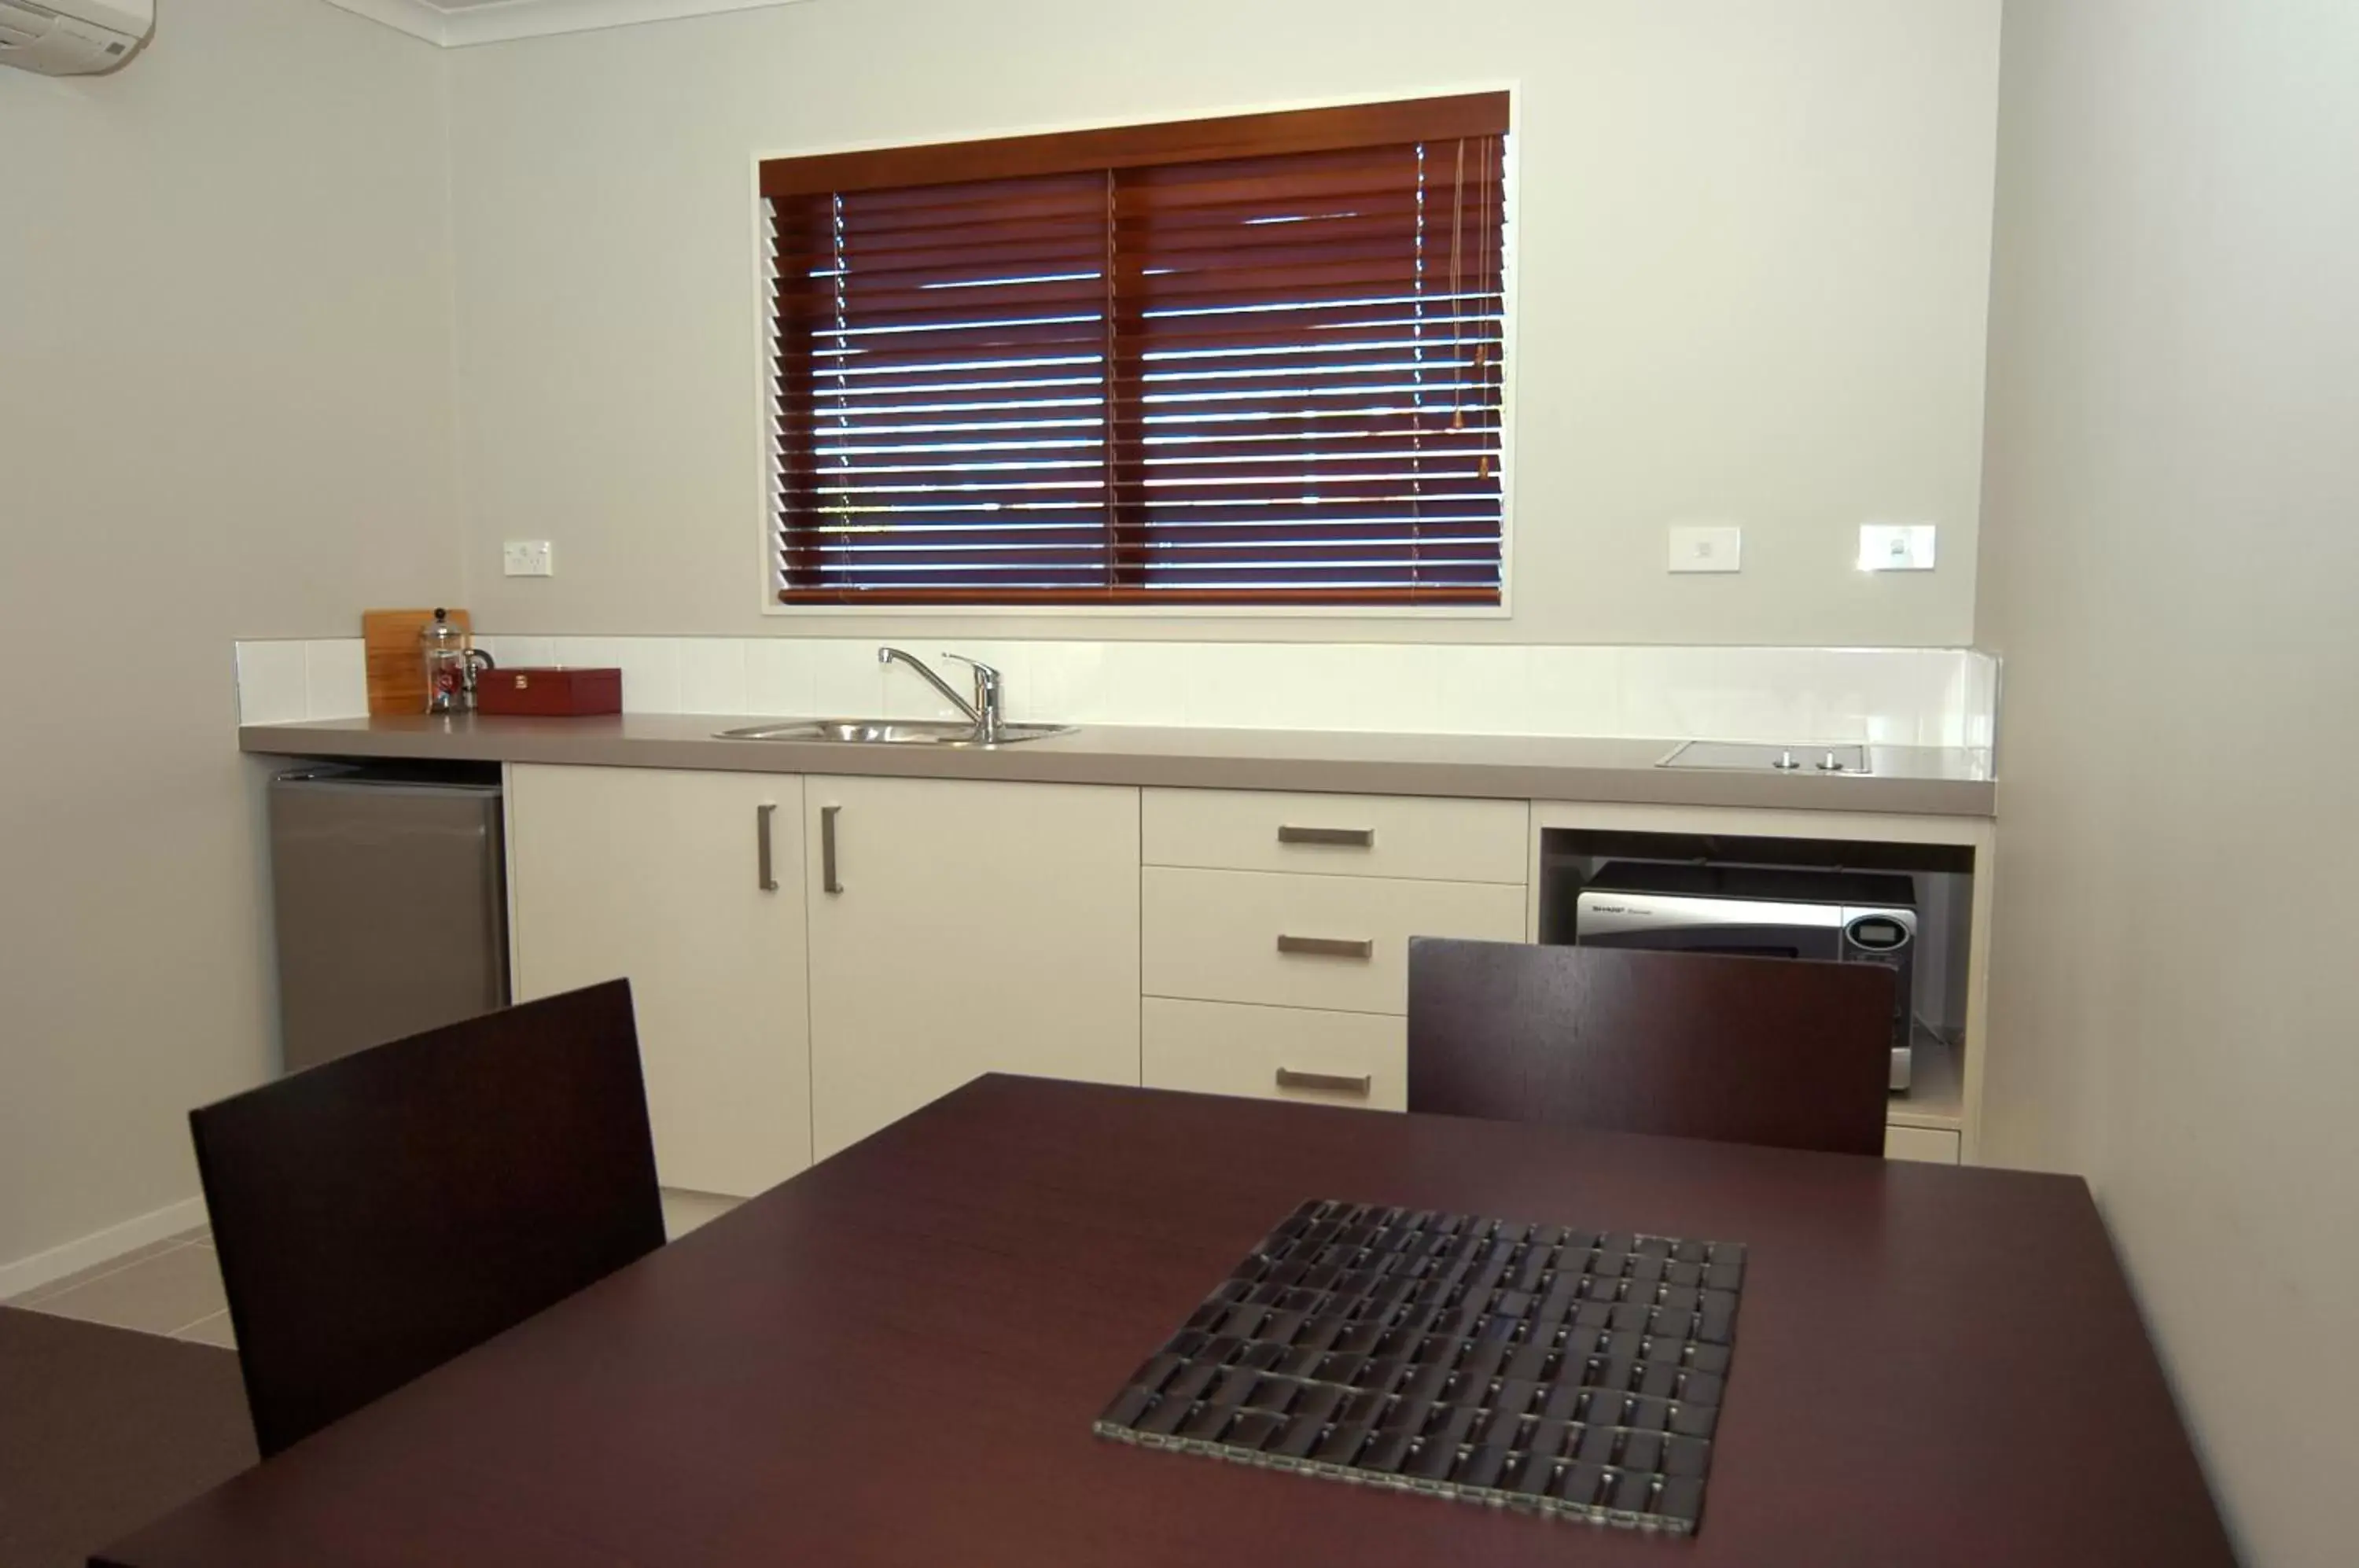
pixel 1830 763
pixel 1786 762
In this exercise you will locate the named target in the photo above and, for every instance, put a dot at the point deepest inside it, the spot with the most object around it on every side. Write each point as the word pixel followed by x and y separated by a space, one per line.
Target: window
pixel 1248 360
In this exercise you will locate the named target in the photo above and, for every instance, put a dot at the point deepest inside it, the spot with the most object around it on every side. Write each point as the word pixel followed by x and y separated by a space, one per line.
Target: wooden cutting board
pixel 396 661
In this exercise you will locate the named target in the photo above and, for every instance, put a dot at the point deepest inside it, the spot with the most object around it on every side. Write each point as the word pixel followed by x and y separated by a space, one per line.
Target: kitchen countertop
pixel 1905 780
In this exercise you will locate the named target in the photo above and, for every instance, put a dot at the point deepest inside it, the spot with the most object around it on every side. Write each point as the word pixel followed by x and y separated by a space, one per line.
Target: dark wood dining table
pixel 897 1359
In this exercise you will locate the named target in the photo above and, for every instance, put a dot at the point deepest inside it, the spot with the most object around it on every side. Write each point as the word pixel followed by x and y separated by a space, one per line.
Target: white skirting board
pixel 99 1246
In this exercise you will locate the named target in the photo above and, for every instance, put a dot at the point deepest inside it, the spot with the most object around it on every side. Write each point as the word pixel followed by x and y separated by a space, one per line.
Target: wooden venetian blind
pixel 1246 361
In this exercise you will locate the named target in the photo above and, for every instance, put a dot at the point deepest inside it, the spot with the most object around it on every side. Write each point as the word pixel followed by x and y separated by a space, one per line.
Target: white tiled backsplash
pixel 278 682
pixel 1885 696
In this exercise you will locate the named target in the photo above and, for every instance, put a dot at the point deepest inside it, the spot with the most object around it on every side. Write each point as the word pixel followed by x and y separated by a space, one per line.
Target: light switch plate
pixel 1717 546
pixel 1895 547
pixel 527 557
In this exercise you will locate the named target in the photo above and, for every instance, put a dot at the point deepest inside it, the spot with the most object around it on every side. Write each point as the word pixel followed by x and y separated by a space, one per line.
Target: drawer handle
pixel 1332 1082
pixel 1326 946
pixel 1356 838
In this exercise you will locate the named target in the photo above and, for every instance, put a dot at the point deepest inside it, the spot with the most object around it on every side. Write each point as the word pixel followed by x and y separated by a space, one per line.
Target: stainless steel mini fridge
pixel 391 903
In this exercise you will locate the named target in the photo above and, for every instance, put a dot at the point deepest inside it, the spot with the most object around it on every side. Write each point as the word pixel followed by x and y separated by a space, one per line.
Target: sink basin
pixel 888 732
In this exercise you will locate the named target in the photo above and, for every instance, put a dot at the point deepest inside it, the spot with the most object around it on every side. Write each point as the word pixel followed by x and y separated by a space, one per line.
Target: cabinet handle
pixel 1326 946
pixel 827 882
pixel 762 815
pixel 1332 1082
pixel 1356 838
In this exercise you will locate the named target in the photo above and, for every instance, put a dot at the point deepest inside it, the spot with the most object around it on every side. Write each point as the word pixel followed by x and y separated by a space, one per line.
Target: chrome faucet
pixel 987 713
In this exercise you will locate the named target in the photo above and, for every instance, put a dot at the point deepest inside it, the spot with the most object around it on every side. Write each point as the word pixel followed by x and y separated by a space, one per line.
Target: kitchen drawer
pixel 1275 1054
pixel 1932 1145
pixel 1216 936
pixel 1338 835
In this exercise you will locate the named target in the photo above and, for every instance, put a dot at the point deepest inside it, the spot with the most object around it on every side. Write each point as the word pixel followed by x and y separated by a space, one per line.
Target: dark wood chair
pixel 378 1214
pixel 1781 1051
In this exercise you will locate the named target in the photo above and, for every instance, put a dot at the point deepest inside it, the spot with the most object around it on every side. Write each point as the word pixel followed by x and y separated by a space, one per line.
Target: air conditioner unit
pixel 74 38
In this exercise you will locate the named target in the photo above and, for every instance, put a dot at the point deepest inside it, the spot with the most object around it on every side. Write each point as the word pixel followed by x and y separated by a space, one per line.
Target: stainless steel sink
pixel 981 726
pixel 888 732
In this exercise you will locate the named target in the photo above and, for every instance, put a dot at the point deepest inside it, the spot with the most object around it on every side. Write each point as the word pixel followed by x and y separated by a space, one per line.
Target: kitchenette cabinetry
pixel 1277 927
pixel 967 928
pixel 1938 870
pixel 659 877
pixel 902 935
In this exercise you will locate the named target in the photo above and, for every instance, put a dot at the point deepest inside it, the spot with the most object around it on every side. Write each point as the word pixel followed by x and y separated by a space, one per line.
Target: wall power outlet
pixel 527 557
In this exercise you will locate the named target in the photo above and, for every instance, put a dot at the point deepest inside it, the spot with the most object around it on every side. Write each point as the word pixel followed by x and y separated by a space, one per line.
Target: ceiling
pixel 457 23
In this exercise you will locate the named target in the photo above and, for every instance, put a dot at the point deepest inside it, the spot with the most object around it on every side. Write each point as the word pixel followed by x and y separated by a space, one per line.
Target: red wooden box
pixel 551 691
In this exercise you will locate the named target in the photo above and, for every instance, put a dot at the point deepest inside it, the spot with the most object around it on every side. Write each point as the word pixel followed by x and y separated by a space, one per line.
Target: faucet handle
pixel 989 697
pixel 975 664
pixel 987 677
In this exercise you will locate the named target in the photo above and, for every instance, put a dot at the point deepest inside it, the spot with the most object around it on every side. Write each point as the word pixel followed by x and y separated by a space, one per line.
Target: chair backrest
pixel 380 1214
pixel 1782 1051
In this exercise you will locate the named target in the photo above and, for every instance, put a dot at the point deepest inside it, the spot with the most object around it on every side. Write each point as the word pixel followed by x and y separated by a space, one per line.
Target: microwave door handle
pixel 1765 942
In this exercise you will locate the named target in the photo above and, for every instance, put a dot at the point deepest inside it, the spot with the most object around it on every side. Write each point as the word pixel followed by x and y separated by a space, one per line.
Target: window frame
pixel 771 576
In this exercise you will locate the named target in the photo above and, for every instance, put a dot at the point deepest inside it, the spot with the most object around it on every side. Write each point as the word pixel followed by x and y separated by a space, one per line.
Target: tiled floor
pixel 173 1288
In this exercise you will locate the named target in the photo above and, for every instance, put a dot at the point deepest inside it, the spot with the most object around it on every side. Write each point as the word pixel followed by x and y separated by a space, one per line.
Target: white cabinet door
pixel 975 927
pixel 656 875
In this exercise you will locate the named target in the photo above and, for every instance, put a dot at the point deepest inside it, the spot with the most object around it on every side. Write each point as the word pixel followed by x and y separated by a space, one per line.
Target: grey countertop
pixel 1908 780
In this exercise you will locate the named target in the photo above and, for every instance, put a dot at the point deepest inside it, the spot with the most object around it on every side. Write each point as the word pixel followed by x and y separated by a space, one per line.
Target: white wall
pixel 1754 248
pixel 2170 566
pixel 224 409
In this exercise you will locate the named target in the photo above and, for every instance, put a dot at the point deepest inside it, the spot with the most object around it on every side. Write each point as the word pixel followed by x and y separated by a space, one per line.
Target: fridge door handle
pixel 762 815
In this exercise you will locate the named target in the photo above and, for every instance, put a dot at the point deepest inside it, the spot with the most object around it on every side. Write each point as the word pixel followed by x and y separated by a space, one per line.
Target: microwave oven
pixel 1762 913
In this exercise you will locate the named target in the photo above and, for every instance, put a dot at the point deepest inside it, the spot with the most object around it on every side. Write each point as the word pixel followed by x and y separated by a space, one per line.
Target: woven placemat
pixel 1537 1367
